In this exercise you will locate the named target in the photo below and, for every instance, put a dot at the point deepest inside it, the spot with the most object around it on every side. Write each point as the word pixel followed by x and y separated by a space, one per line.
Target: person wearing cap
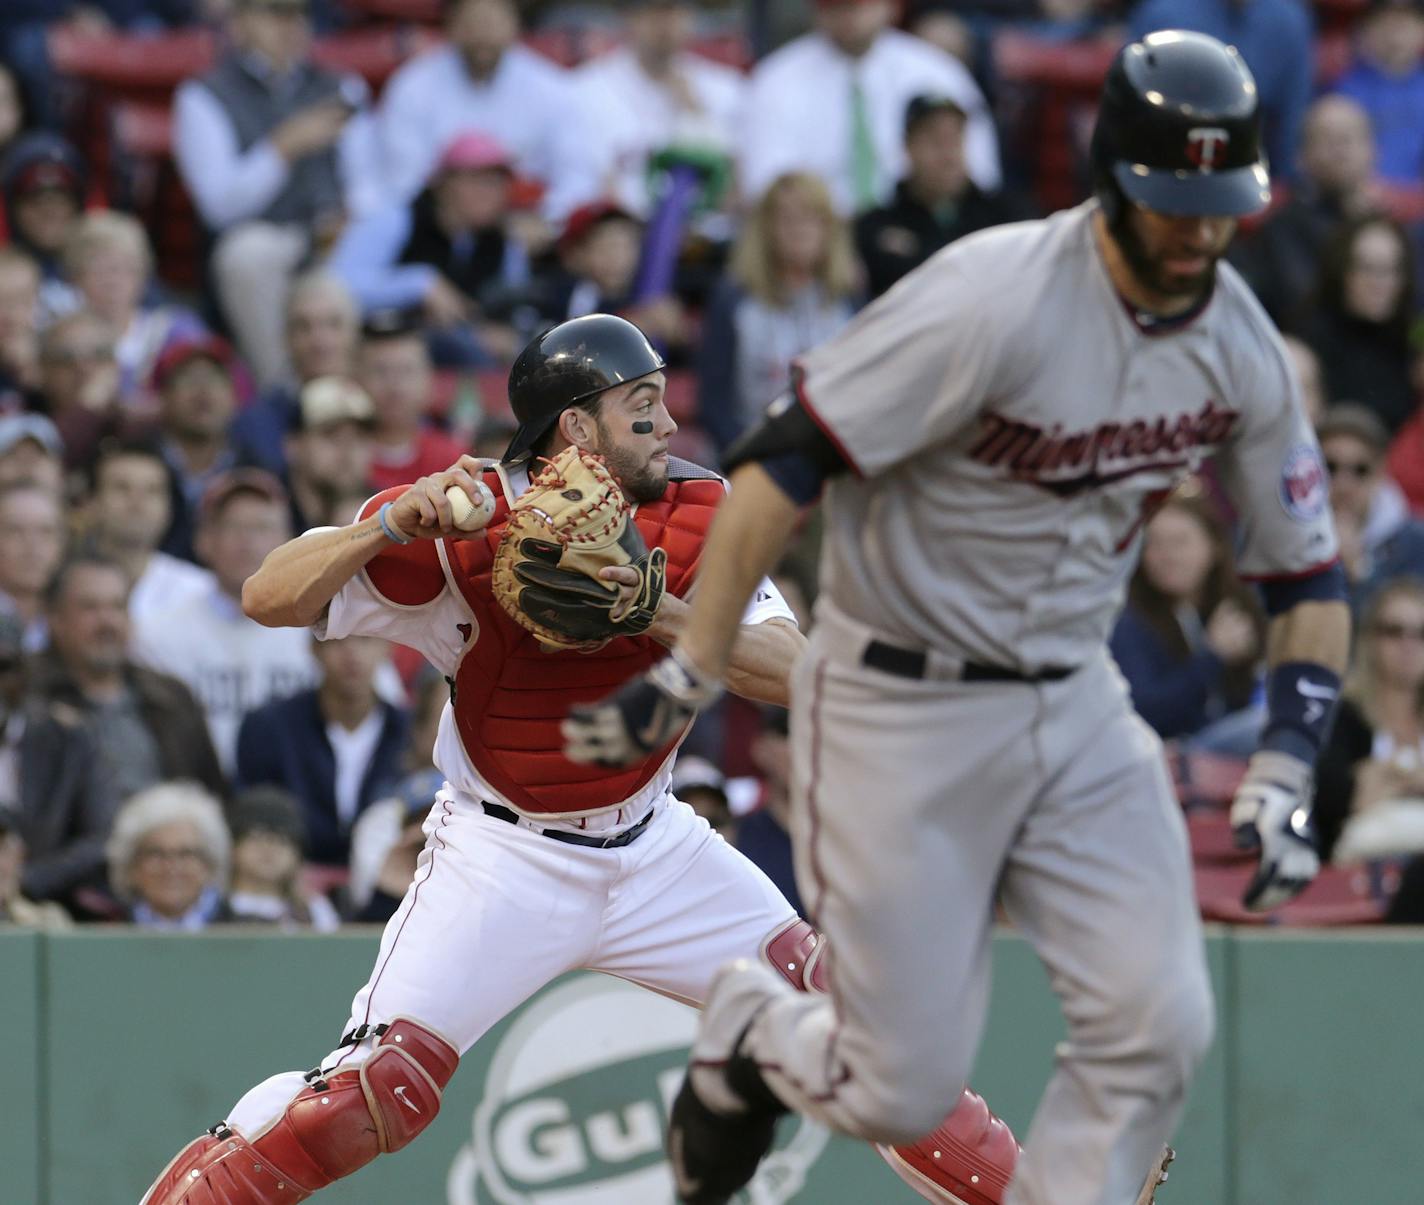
pixel 599 252
pixel 31 453
pixel 329 451
pixel 1275 39
pixel 934 204
pixel 44 179
pixel 274 150
pixel 33 536
pixel 197 399
pixel 147 725
pixel 15 909
pixel 337 746
pixel 450 252
pixel 1379 538
pixel 394 368
pixel 833 103
pixel 55 785
pixel 483 79
pixel 124 519
pixel 109 261
pixel 266 885
pixel 654 93
pixel 230 662
pixel 703 787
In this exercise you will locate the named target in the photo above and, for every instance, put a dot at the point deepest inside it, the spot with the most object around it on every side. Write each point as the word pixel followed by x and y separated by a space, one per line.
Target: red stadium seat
pixel 1212 841
pixel 373 54
pixel 146 66
pixel 416 12
pixel 1339 896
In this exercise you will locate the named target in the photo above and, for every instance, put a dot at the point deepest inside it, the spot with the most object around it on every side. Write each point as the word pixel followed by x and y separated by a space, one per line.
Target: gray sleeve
pixel 909 372
pixel 1274 474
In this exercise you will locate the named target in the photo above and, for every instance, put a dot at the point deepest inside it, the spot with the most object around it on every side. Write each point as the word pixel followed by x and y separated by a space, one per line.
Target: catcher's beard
pixel 639 478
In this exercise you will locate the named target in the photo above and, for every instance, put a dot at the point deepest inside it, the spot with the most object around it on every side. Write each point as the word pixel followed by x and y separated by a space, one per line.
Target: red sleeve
pixel 408 575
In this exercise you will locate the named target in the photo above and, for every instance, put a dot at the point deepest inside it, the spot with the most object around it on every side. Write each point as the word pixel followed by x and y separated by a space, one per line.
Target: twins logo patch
pixel 1305 489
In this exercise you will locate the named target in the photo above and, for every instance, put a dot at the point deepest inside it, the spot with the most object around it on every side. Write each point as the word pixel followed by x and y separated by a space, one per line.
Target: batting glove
pixel 640 717
pixel 1271 812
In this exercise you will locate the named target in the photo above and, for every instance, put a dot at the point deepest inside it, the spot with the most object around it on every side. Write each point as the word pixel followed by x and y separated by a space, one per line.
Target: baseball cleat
pixel 724 1117
pixel 1156 1175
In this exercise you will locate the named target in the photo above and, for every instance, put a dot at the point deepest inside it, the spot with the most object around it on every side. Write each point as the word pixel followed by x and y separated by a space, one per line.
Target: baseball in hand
pixel 470 516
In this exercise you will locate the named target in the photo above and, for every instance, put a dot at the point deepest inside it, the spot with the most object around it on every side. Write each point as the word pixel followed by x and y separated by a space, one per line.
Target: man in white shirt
pixel 230 662
pixel 833 103
pixel 274 150
pixel 481 79
pixel 128 511
pixel 653 94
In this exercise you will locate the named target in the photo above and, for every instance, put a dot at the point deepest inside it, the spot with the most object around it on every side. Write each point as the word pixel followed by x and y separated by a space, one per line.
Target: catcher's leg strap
pixel 797 952
pixel 338 1122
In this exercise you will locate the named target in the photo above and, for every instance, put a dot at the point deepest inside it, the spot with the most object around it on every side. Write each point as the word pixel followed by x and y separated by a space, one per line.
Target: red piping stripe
pixel 798 383
pixel 1291 577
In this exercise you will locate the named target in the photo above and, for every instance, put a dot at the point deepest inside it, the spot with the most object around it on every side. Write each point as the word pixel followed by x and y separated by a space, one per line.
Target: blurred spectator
pixel 1311 376
pixel 599 252
pixel 169 857
pixel 109 262
pixel 267 862
pixel 934 204
pixel 196 402
pixel 791 284
pixel 52 777
pixel 394 828
pixel 31 453
pixel 653 95
pixel 125 517
pixel 492 437
pixel 1191 637
pixel 147 726
pixel 1378 538
pixel 1282 260
pixel 231 663
pixel 941 26
pixel 323 326
pixel 79 384
pixel 15 909
pixel 1373 760
pixel 335 747
pixel 384 844
pixel 1360 326
pixel 395 371
pixel 483 79
pixel 44 181
pixel 703 787
pixel 274 150
pixel 32 542
pixel 14 111
pixel 450 252
pixel 19 326
pixel 1273 36
pixel 1388 80
pixel 762 834
pixel 833 103
pixel 329 452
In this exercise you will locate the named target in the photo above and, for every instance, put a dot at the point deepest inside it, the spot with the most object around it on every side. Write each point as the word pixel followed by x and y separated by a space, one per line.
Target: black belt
pixel 913 663
pixel 626 837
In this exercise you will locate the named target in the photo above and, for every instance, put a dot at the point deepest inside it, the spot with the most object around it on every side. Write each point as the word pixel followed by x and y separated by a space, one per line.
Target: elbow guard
pixel 788 444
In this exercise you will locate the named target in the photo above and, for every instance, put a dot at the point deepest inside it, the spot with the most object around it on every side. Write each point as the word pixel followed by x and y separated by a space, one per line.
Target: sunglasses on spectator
pixel 1399 631
pixel 1358 469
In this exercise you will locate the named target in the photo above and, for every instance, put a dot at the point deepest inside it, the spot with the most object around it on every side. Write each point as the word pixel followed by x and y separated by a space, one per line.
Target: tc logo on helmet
pixel 1205 144
pixel 576 1102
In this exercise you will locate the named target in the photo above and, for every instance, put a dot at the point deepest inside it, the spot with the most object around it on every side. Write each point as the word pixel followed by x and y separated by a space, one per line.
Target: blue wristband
pixel 1300 704
pixel 386 526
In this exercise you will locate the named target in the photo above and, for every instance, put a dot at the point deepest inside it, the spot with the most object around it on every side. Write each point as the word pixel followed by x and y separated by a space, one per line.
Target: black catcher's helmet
pixel 568 364
pixel 1179 130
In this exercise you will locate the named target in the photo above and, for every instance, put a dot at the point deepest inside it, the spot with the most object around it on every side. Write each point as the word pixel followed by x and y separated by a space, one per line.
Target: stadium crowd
pixel 303 277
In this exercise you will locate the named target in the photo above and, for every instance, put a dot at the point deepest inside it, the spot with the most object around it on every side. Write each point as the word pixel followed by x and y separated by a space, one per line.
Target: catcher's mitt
pixel 572 521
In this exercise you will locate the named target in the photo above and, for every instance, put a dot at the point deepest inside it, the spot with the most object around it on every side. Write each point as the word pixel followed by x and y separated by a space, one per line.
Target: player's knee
pixel 1176 1019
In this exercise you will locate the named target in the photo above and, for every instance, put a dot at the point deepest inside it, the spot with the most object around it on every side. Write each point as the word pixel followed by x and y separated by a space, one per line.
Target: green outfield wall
pixel 120 1046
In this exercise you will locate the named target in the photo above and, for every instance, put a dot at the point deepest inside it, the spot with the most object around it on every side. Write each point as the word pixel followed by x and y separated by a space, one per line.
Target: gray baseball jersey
pixel 1011 425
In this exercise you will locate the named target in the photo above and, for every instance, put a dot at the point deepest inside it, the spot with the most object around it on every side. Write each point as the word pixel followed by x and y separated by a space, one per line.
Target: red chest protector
pixel 510 695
